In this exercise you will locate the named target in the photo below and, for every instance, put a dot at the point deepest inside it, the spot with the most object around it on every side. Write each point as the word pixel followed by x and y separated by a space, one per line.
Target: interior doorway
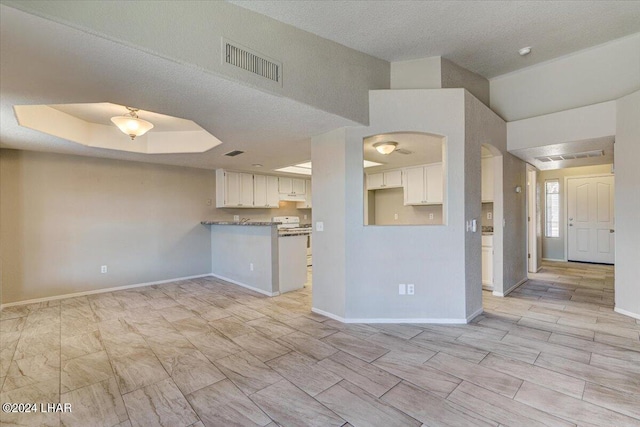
pixel 492 219
pixel 590 219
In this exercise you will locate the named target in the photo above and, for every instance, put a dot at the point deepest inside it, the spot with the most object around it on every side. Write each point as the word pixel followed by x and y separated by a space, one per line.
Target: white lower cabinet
pixel 487 261
pixel 423 185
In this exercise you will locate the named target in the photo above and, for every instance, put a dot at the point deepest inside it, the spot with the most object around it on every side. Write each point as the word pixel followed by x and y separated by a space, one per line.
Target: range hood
pixel 292 197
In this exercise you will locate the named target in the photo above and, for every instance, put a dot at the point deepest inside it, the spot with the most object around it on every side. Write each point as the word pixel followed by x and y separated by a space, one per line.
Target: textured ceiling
pixel 44 62
pixel 482 36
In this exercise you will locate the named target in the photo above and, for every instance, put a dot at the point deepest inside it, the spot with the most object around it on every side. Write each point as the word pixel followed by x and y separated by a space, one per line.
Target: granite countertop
pixel 254 223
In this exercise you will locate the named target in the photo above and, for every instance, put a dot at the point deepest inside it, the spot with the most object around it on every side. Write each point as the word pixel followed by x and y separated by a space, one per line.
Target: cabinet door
pixel 231 188
pixel 246 190
pixel 393 179
pixel 414 186
pixel 434 183
pixel 297 186
pixel 487 179
pixel 285 185
pixel 259 190
pixel 375 181
pixel 273 199
pixel 307 196
pixel 487 266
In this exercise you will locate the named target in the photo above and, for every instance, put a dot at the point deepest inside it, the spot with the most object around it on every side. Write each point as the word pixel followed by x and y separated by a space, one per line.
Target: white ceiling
pixel 605 144
pixel 482 36
pixel 44 62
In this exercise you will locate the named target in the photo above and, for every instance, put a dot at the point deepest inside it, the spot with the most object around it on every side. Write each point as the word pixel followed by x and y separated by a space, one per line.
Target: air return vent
pixel 251 61
pixel 571 156
pixel 234 153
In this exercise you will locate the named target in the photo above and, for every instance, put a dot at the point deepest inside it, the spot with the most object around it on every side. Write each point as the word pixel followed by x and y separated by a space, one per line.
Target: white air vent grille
pixel 571 156
pixel 255 63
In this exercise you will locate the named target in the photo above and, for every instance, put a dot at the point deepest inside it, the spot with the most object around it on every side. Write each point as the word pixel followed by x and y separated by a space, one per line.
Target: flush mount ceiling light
pixel 525 51
pixel 385 147
pixel 130 124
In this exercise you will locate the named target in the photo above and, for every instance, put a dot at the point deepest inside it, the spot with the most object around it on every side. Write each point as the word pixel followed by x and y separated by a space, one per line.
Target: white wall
pixel 590 122
pixel 627 205
pixel 424 73
pixel 235 247
pixel 316 71
pixel 328 192
pixel 363 280
pixel 602 73
pixel 554 247
pixel 62 217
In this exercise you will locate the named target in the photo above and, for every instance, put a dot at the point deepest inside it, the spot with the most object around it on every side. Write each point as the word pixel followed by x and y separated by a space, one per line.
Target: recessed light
pixel 525 51
pixel 256 165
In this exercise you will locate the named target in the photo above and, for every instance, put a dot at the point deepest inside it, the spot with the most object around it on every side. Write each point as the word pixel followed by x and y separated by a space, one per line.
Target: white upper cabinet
pixel 234 189
pixel 387 179
pixel 487 179
pixel 306 204
pixel 291 186
pixel 423 185
pixel 265 191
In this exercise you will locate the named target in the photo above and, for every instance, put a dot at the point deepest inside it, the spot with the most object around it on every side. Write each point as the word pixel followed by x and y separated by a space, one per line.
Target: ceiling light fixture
pixel 385 147
pixel 130 124
pixel 525 51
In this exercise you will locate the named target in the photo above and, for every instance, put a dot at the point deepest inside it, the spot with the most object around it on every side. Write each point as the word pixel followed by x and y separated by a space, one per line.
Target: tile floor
pixel 201 352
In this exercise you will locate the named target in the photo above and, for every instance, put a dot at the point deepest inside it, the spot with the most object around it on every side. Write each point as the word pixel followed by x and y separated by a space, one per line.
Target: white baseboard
pixel 244 285
pixel 554 259
pixel 400 320
pixel 327 314
pixel 511 289
pixel 100 291
pixel 627 313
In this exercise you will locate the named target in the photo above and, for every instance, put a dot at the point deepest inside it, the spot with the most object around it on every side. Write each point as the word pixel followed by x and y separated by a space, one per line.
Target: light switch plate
pixel 319 226
pixel 402 289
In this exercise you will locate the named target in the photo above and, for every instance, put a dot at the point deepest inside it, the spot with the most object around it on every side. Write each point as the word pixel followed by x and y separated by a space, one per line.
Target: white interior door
pixel 590 219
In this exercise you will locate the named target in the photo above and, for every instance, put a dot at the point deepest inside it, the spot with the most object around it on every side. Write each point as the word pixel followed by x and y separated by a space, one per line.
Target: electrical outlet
pixel 305 216
pixel 208 202
pixel 251 266
pixel 430 216
pixel 236 218
pixel 489 215
pixel 395 216
pixel 410 289
pixel 402 289
pixel 103 269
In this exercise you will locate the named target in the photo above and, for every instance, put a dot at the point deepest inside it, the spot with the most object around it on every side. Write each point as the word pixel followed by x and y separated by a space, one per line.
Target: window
pixel 552 208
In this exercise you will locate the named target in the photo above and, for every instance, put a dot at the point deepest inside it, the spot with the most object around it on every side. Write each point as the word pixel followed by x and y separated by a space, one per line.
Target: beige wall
pixel 389 202
pixel 554 247
pixel 62 217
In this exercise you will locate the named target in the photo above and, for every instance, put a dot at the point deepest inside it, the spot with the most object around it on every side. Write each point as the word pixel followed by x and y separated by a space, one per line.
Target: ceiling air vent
pixel 571 156
pixel 234 153
pixel 251 61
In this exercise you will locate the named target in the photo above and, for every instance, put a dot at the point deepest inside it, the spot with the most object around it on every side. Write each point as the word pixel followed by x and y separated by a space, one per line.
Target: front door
pixel 590 219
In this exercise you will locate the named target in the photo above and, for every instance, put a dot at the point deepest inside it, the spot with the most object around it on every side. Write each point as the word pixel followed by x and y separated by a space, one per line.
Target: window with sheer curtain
pixel 552 208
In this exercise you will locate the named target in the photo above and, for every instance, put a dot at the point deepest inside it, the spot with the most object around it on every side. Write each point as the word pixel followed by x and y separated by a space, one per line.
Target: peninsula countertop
pixel 251 223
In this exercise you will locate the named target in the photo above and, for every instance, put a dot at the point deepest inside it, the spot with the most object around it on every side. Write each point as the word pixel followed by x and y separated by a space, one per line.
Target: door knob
pixel 611 230
pixel 570 225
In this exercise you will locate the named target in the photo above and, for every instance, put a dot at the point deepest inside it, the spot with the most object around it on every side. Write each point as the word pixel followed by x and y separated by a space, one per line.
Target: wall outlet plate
pixel 430 216
pixel 236 218
pixel 489 215
pixel 411 289
pixel 103 269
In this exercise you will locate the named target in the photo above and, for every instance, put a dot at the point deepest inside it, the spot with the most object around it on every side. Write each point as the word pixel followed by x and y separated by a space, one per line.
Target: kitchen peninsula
pixel 256 256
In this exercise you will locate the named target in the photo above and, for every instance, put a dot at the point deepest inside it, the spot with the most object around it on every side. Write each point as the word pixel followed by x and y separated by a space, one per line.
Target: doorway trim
pixel 534 238
pixel 565 206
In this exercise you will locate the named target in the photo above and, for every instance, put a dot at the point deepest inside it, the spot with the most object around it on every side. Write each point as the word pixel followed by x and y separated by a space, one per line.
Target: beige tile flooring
pixel 200 352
